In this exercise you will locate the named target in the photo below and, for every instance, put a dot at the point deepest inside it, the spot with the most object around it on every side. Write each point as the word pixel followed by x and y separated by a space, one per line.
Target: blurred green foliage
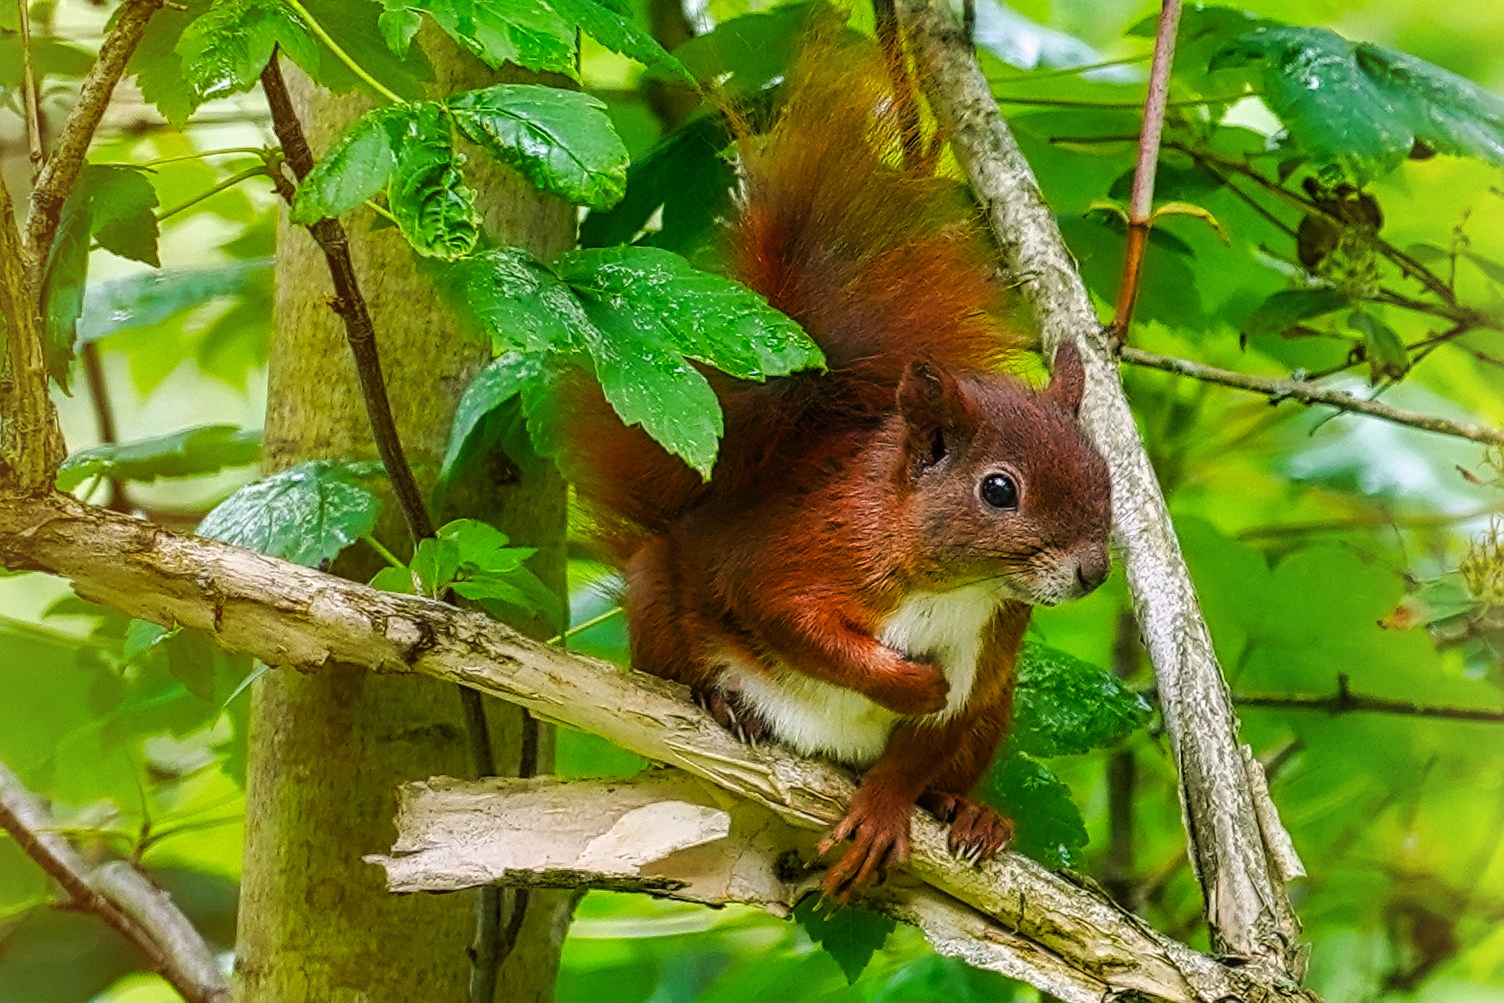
pixel 1326 550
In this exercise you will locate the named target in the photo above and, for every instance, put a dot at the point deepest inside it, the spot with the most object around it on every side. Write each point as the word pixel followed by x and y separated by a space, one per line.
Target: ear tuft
pixel 1067 378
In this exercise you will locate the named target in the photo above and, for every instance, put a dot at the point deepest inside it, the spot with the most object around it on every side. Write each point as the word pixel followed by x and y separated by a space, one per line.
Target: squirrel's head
pixel 1002 484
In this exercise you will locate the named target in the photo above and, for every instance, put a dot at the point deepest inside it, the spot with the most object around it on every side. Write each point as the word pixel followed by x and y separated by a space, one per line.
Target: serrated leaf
pixel 501 380
pixel 307 513
pixel 1047 824
pixel 398 26
pixel 1289 307
pixel 617 31
pixel 124 205
pixel 1365 107
pixel 205 449
pixel 525 32
pixel 356 167
pixel 1065 706
pixel 427 194
pixel 158 68
pixel 517 301
pixel 224 50
pixel 1387 355
pixel 560 140
pixel 630 290
pixel 483 546
pixel 656 312
pixel 849 934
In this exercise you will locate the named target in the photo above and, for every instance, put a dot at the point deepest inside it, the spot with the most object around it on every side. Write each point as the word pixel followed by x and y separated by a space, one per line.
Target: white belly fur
pixel 820 718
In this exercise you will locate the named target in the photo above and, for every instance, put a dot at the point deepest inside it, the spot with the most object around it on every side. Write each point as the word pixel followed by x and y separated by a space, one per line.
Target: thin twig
pixel 1308 393
pixel 492 944
pixel 116 893
pixel 1141 203
pixel 29 92
pixel 60 172
pixel 1345 701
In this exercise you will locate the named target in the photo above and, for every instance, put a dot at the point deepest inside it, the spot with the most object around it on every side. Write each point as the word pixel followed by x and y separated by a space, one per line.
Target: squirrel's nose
pixel 1092 568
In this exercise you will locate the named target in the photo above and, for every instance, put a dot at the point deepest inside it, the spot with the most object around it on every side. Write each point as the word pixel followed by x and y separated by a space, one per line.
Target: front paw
pixel 977 832
pixel 879 832
pixel 910 688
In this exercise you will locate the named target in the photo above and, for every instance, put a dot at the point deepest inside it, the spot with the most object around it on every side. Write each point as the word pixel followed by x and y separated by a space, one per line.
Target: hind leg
pixel 671 638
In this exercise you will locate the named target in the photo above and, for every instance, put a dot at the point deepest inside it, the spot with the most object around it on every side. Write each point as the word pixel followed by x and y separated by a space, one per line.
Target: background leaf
pixel 191 452
pixel 849 934
pixel 307 513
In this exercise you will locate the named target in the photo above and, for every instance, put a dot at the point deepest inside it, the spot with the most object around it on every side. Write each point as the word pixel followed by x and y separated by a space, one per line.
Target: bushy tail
pixel 880 263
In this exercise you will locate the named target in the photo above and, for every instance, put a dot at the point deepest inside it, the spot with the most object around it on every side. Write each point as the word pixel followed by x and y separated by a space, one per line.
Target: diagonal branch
pixel 60 173
pixel 1240 861
pixel 285 614
pixel 118 894
pixel 1310 393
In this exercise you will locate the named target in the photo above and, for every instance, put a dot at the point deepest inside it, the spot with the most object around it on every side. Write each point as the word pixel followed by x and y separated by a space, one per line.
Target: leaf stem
pixel 342 55
pixel 380 211
pixel 201 154
pixel 386 555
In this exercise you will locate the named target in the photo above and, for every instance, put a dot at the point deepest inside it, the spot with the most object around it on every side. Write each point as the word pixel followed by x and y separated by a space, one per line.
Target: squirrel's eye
pixel 999 491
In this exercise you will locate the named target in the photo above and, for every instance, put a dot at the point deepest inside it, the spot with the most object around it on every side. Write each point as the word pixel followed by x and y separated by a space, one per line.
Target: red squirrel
pixel 855 578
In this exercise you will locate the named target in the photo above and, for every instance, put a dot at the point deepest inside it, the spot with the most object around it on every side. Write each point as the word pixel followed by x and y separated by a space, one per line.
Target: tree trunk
pixel 328 750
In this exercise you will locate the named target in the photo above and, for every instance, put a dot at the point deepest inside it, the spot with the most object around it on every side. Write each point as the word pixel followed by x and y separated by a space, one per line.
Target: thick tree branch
pixel 1141 202
pixel 1309 393
pixel 60 173
pixel 118 894
pixel 1247 906
pixel 285 614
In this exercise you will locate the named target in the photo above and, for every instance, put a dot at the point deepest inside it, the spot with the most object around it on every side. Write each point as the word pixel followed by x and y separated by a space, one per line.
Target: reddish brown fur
pixel 837 496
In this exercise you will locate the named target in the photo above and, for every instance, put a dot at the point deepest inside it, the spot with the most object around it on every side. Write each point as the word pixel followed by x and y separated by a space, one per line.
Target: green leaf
pixel 518 302
pixel 748 54
pixel 849 934
pixel 656 312
pixel 398 27
pixel 482 547
pixel 205 449
pixel 149 298
pixel 632 290
pixel 435 564
pixel 619 32
pixel 525 32
pixel 560 140
pixel 124 204
pixel 1047 823
pixel 1289 307
pixel 500 381
pixel 358 166
pixel 191 658
pixel 307 513
pixel 1387 355
pixel 1064 705
pixel 142 636
pixel 63 284
pixel 224 50
pixel 1365 107
pixel 158 68
pixel 427 193
pixel 685 177
pixel 399 580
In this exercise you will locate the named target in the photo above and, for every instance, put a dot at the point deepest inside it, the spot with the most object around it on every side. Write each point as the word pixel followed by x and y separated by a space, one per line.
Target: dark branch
pixel 1309 393
pixel 1345 701
pixel 117 894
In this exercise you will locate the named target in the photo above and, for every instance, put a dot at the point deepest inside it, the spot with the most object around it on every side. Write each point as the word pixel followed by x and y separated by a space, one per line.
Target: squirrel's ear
pixel 1067 378
pixel 928 397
